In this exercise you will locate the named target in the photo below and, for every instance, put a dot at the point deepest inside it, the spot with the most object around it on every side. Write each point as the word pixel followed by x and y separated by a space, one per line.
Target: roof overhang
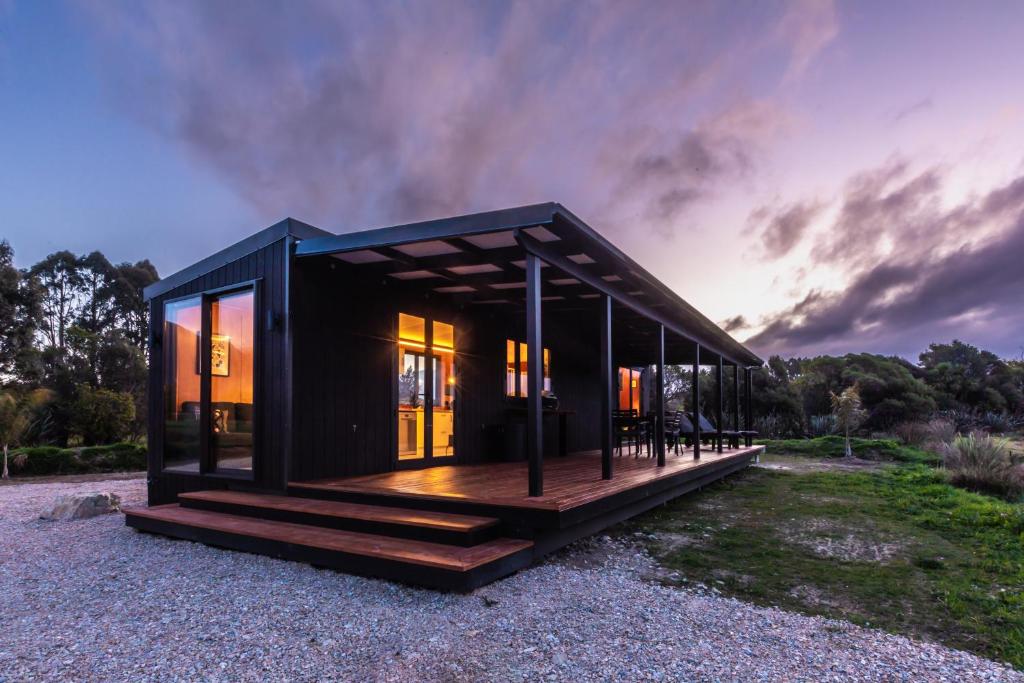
pixel 474 256
pixel 289 227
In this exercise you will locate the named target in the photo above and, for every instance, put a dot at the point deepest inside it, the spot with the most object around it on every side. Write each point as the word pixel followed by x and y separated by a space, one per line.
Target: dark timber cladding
pixel 436 402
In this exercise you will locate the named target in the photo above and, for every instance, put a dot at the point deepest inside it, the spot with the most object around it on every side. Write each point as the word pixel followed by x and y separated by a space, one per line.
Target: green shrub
pixel 867 449
pixel 49 460
pixel 979 462
pixel 823 425
pixel 102 415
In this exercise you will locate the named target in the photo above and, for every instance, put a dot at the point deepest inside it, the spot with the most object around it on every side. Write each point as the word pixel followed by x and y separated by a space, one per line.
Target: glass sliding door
pixel 181 333
pixel 443 399
pixel 426 389
pixel 412 336
pixel 232 332
pixel 209 354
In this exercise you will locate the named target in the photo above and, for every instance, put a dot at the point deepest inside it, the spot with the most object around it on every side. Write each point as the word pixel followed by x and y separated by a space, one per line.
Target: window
pixel 516 369
pixel 182 324
pixel 232 332
pixel 208 383
pixel 629 389
pixel 426 420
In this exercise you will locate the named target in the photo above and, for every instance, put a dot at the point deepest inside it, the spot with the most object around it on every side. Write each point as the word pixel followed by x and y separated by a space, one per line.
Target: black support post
pixel 695 408
pixel 534 378
pixel 735 397
pixel 719 401
pixel 607 386
pixel 659 399
pixel 748 415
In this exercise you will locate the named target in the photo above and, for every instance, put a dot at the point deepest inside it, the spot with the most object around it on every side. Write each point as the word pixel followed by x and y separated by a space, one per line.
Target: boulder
pixel 81 506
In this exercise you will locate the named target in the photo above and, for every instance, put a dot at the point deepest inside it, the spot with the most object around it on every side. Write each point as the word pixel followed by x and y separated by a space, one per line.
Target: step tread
pixel 450 557
pixel 374 513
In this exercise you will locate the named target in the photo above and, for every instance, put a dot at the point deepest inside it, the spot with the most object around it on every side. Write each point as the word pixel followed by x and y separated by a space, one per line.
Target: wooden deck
pixel 452 527
pixel 570 482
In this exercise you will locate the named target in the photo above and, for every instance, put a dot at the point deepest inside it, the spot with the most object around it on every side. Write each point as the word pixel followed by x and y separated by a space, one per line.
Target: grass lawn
pixel 892 546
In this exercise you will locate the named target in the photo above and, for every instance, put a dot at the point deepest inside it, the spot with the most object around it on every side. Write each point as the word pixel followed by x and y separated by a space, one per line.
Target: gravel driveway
pixel 94 600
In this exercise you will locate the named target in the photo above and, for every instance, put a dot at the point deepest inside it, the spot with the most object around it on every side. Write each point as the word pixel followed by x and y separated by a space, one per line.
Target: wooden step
pixel 421 525
pixel 422 563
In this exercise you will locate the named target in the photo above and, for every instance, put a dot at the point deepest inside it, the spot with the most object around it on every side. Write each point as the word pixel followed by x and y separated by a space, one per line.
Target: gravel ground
pixel 94 600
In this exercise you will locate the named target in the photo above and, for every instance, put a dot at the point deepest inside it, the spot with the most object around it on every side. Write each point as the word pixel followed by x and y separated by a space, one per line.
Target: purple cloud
pixel 357 114
pixel 918 290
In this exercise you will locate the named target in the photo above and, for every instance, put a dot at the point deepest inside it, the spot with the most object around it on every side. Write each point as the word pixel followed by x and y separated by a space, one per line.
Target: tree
pixel 132 311
pixel 967 377
pixel 16 418
pixel 19 314
pixel 848 412
pixel 61 282
pixel 103 416
pixel 775 397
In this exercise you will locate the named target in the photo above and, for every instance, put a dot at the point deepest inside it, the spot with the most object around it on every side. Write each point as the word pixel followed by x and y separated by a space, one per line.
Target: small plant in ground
pixel 770 426
pixel 964 421
pixel 846 407
pixel 940 431
pixel 823 425
pixel 998 423
pixel 980 462
pixel 915 433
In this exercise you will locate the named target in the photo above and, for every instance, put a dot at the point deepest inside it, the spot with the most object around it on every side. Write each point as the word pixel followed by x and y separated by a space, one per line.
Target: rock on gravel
pixel 82 506
pixel 95 600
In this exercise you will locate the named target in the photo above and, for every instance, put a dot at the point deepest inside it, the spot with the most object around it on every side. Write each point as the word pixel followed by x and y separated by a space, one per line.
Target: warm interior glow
pixel 231 379
pixel 519 363
pixel 629 389
pixel 414 411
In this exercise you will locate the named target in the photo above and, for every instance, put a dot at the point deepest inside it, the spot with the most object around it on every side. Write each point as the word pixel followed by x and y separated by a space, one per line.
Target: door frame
pixel 428 459
pixel 206 456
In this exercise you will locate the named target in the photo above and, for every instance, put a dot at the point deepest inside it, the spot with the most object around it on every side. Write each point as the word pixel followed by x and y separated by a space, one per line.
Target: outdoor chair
pixel 631 429
pixel 730 437
pixel 672 431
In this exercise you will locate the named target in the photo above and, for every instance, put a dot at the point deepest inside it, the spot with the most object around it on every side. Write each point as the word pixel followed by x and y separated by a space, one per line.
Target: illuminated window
pixel 517 370
pixel 426 419
pixel 629 389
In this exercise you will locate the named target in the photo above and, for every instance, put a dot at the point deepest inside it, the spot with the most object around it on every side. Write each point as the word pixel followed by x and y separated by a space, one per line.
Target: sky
pixel 817 177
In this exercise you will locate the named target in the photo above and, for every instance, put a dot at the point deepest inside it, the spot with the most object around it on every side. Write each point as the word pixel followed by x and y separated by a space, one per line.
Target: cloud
pixel 884 210
pixel 808 26
pixel 353 114
pixel 781 229
pixel 734 323
pixel 919 290
pixel 917 107
pixel 672 172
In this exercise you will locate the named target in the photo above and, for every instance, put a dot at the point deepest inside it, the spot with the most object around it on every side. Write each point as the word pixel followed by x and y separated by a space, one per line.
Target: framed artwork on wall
pixel 220 355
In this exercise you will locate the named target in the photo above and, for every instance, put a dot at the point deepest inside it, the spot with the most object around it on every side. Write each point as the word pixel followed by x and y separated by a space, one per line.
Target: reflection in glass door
pixel 411 384
pixel 443 399
pixel 232 331
pixel 426 419
pixel 182 324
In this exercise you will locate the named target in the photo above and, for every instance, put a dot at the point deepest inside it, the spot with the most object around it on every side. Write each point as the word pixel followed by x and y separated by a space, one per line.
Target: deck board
pixel 569 482
pixel 424 553
pixel 370 513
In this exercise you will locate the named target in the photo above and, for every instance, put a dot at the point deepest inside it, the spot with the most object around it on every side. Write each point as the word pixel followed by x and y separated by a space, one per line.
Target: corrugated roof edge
pixel 278 231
